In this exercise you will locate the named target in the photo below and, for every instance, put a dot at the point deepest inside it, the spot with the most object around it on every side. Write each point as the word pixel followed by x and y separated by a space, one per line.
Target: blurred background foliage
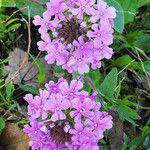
pixel 122 83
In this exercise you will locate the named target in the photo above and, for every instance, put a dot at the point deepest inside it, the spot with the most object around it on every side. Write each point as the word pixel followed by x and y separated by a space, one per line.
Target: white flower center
pixel 57 108
pixel 98 34
pixel 82 47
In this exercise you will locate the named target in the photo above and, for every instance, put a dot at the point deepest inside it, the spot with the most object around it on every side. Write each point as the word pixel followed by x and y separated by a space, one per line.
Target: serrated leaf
pixel 35 9
pixel 119 20
pixel 8 3
pixel 126 113
pixel 109 84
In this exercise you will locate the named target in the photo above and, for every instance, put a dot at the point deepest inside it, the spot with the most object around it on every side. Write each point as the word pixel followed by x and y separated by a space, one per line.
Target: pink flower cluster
pixel 76 34
pixel 64 117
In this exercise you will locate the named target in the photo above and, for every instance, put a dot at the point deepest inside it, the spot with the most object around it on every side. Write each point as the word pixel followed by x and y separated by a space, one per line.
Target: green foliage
pixel 143 2
pixel 138 140
pixel 9 90
pixel 109 84
pixel 29 89
pixel 127 62
pixel 35 8
pixel 95 76
pixel 8 32
pixel 7 3
pixel 129 8
pixel 124 110
pixel 42 72
pixel 142 39
pixel 2 124
pixel 119 20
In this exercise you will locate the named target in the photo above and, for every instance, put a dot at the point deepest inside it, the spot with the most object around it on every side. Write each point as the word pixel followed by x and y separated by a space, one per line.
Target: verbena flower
pixel 65 117
pixel 80 33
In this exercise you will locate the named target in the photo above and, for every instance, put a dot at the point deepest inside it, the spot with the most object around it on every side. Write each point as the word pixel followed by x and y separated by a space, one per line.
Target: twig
pixel 142 52
pixel 125 67
pixel 30 67
pixel 15 12
pixel 28 50
pixel 100 95
pixel 9 113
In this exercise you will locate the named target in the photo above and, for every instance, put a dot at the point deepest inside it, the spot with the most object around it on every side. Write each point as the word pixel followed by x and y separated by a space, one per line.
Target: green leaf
pixel 2 124
pixel 109 84
pixel 147 65
pixel 140 140
pixel 143 2
pixel 42 72
pixel 129 8
pixel 119 20
pixel 1 80
pixel 0 3
pixel 12 21
pixel 9 90
pixel 142 39
pixel 35 8
pixel 28 88
pixel 8 3
pixel 13 27
pixel 126 113
pixel 125 61
pixel 95 76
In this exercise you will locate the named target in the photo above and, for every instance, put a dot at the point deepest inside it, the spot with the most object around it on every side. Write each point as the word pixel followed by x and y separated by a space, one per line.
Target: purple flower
pixel 44 23
pixel 95 64
pixel 103 12
pixel 103 52
pixel 72 90
pixel 64 117
pixel 33 107
pixel 36 105
pixel 84 7
pixel 57 8
pixel 84 47
pixel 45 44
pixel 35 130
pixel 56 105
pixel 53 87
pixel 56 53
pixel 71 3
pixel 99 124
pixel 79 63
pixel 78 131
pixel 101 34
pixel 81 108
pixel 82 138
pixel 74 42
